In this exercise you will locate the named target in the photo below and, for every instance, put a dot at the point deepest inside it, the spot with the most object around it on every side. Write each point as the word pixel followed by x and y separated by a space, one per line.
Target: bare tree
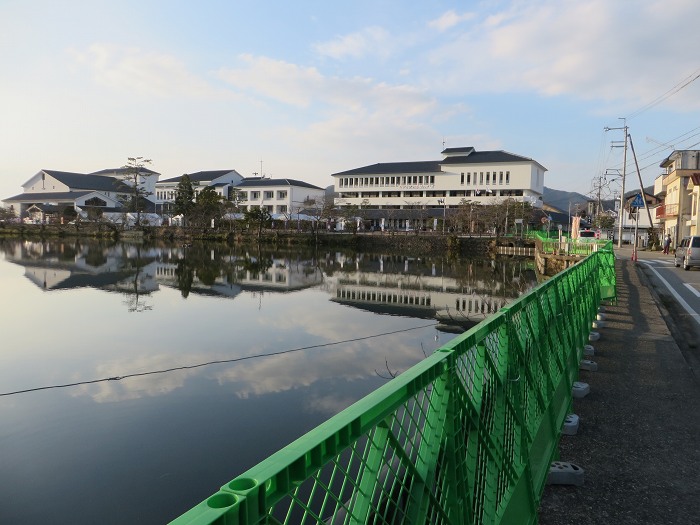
pixel 133 175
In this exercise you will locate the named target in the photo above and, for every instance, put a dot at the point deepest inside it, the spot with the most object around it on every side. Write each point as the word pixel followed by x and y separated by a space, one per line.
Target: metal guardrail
pixel 465 436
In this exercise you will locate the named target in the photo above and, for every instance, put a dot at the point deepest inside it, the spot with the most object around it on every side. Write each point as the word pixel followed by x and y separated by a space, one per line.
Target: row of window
pixel 482 177
pixel 428 194
pixel 267 195
pixel 492 177
pixel 169 195
pixel 241 276
pixel 479 306
pixel 382 297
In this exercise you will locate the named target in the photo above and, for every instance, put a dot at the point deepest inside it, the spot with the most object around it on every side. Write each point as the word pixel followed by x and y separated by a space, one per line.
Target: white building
pixel 464 174
pixel 221 180
pixel 279 196
pixel 106 189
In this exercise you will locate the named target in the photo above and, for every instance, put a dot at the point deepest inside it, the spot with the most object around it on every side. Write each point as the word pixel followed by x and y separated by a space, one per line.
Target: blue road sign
pixel 638 202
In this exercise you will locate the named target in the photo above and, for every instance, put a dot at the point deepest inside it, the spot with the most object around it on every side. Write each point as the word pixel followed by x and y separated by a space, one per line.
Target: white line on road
pixel 692 289
pixel 678 298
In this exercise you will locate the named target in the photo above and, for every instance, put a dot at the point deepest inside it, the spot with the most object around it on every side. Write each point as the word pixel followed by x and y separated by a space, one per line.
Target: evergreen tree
pixel 184 198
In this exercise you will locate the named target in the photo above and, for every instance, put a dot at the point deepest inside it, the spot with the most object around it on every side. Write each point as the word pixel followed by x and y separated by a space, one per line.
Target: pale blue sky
pixel 315 87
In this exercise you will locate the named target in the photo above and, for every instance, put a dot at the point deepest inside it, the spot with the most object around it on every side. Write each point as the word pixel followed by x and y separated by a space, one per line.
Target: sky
pixel 306 89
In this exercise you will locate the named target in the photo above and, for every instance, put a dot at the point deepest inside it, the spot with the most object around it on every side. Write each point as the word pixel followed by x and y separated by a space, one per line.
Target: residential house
pixel 678 187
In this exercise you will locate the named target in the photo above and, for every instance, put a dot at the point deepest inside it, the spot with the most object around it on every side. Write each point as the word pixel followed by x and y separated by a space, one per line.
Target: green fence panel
pixel 466 436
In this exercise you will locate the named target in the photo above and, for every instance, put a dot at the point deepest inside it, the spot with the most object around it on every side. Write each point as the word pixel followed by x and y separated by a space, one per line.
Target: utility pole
pixel 621 216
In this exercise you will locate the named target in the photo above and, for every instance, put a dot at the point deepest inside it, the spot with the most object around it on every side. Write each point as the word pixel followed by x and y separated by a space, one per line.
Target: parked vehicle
pixel 687 253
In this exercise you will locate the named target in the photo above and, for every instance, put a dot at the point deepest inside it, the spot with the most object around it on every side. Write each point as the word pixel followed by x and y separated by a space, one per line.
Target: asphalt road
pixel 677 292
pixel 638 439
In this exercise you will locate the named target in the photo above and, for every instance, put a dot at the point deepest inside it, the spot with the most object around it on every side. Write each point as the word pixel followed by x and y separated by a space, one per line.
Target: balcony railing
pixel 666 210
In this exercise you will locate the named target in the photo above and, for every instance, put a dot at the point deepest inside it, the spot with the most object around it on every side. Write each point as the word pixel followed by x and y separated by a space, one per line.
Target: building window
pixel 507 177
pixel 283 208
pixel 254 195
pixel 500 177
pixel 461 179
pixel 488 177
pixel 432 179
pixel 393 181
pixel 269 194
pixel 281 194
pixel 469 177
pixel 481 177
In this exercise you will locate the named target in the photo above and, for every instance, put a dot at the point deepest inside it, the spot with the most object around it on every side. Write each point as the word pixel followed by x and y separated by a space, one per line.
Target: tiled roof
pixel 466 149
pixel 79 181
pixel 485 157
pixel 123 170
pixel 468 156
pixel 201 175
pixel 256 182
pixel 428 166
pixel 48 197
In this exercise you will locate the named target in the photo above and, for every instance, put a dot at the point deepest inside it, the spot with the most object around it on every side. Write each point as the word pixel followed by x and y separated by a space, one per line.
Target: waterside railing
pixel 465 436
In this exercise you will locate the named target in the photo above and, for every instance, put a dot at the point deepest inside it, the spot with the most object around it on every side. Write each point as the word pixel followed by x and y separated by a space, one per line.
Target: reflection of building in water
pixel 61 266
pixel 422 288
pixel 245 273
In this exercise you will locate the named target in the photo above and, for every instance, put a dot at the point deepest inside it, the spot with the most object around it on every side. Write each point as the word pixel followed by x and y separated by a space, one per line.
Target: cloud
pixel 372 41
pixel 353 114
pixel 281 81
pixel 146 72
pixel 594 50
pixel 449 20
pixel 134 387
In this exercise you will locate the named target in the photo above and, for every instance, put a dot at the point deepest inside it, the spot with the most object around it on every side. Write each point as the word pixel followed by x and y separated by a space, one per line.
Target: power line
pixel 209 363
pixel 675 89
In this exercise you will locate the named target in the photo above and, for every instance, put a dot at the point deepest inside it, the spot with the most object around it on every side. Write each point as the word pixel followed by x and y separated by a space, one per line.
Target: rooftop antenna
pixel 261 171
pixel 443 142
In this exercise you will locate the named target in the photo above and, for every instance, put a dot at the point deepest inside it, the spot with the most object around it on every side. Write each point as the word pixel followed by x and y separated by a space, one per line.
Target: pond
pixel 137 379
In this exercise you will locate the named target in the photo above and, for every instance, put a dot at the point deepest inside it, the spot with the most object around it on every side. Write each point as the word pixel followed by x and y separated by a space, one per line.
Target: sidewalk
pixel 639 435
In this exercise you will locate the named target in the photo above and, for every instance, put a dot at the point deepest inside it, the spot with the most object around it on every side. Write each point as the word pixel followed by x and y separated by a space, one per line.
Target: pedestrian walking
pixel 667 243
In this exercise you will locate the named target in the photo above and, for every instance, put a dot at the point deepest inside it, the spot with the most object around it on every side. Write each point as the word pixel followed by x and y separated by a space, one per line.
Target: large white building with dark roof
pixel 464 174
pixel 56 190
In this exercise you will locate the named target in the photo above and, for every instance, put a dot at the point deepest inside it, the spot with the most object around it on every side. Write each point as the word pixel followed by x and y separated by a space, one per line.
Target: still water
pixel 135 379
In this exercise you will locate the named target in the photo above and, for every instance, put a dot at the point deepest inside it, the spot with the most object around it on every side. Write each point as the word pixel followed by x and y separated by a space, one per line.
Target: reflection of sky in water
pixel 145 449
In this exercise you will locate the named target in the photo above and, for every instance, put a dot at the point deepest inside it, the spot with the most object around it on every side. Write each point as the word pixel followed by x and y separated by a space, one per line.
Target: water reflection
pixel 235 354
pixel 454 291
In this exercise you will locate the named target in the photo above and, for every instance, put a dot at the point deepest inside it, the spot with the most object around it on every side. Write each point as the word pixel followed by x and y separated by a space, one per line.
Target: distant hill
pixel 561 200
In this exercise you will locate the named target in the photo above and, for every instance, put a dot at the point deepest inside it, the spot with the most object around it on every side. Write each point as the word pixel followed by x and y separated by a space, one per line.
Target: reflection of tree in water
pixel 134 265
pixel 206 263
pixel 95 255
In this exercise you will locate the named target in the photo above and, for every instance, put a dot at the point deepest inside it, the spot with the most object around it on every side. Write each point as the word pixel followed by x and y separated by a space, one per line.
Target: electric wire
pixel 675 89
pixel 209 363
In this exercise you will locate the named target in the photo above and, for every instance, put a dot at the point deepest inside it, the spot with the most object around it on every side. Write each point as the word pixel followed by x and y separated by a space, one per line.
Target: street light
pixel 444 210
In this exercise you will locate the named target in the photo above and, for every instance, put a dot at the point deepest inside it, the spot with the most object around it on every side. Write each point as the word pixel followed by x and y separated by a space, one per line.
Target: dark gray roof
pixel 426 166
pixel 201 175
pixel 485 157
pixel 258 182
pixel 79 181
pixel 123 170
pixel 470 156
pixel 48 197
pixel 466 150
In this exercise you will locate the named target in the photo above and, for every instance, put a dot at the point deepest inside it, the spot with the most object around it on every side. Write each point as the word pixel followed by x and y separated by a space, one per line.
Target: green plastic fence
pixel 465 436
